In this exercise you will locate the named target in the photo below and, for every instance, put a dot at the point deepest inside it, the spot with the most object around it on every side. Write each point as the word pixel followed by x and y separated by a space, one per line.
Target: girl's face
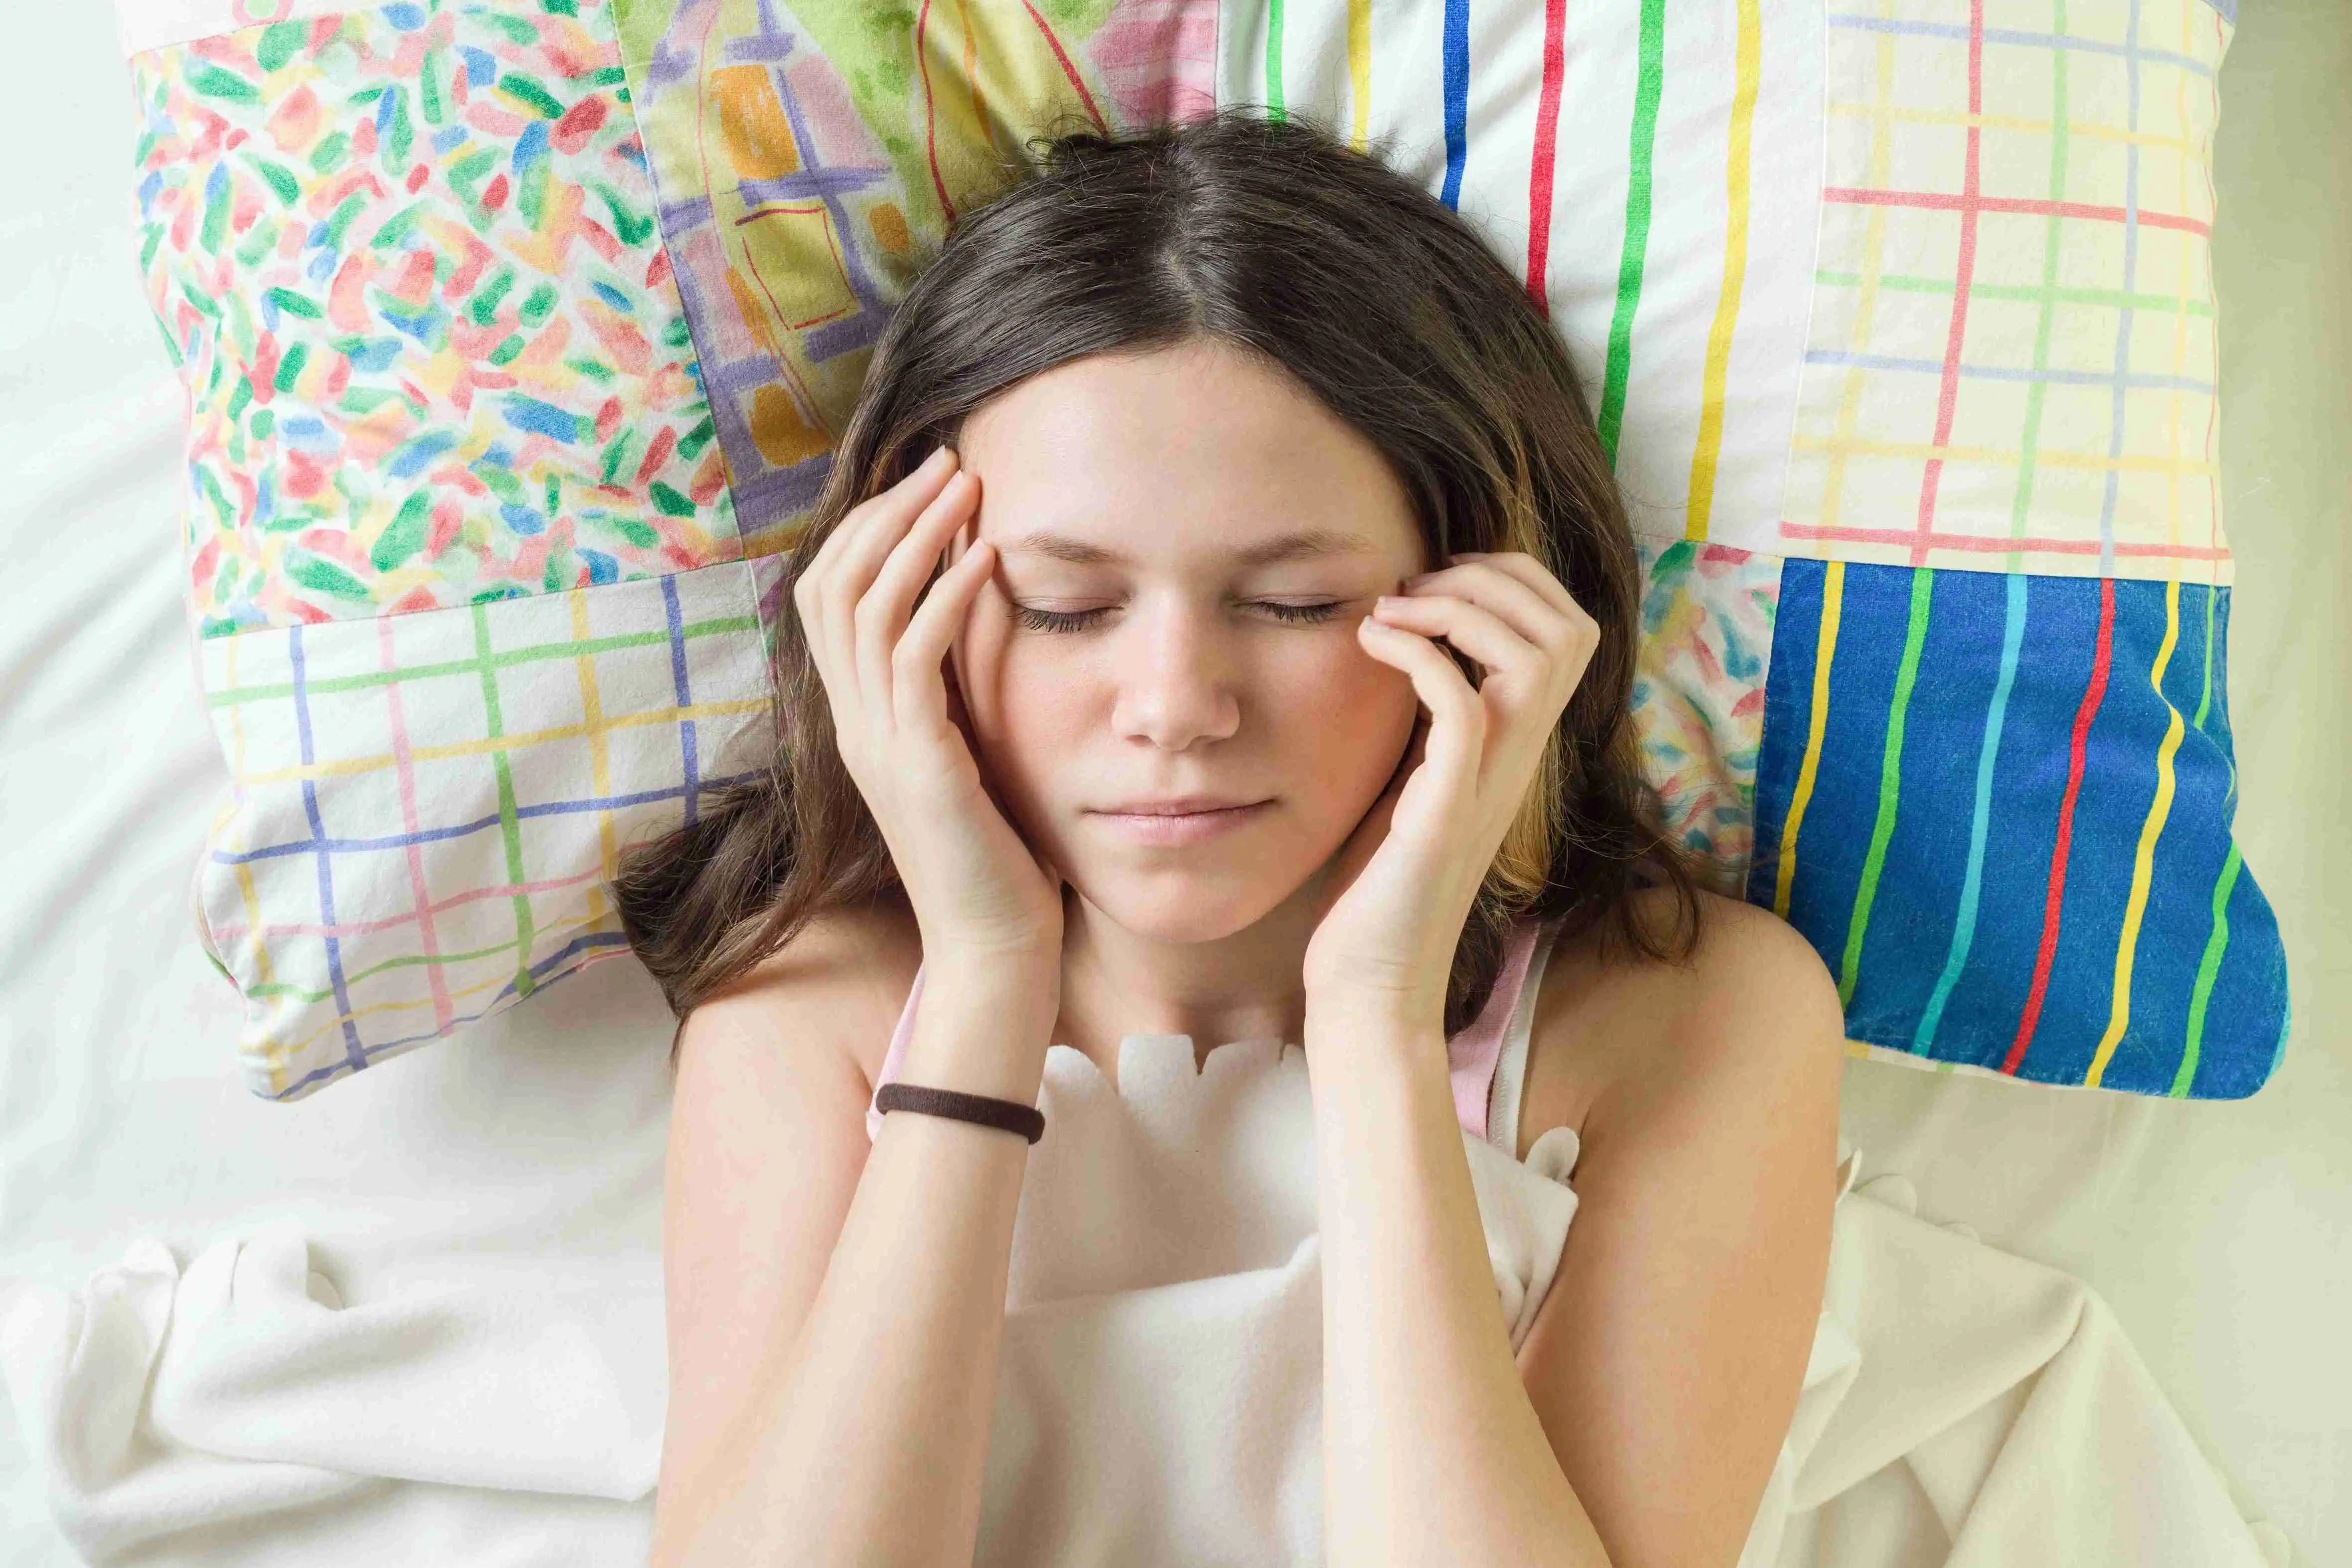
pixel 1187 539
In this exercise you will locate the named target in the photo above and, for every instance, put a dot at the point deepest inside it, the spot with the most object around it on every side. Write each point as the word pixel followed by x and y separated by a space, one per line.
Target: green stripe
pixel 2208 968
pixel 1274 60
pixel 242 694
pixel 510 824
pixel 2217 942
pixel 431 960
pixel 2205 697
pixel 2032 447
pixel 2020 293
pixel 1643 144
pixel 1890 779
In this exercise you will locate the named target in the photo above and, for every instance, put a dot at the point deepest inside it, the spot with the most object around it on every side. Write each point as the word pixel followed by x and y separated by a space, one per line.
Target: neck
pixel 1174 978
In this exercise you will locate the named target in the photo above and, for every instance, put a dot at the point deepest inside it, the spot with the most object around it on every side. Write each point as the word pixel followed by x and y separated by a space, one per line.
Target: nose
pixel 1179 677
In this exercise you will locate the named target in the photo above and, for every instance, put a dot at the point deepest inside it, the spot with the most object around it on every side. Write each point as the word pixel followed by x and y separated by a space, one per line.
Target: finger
pixel 919 691
pixel 882 612
pixel 1526 568
pixel 1523 665
pixel 1457 723
pixel 1507 591
pixel 909 494
pixel 864 539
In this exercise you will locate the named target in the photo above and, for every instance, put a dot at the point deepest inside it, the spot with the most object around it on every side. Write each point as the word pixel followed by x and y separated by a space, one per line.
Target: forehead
pixel 1195 451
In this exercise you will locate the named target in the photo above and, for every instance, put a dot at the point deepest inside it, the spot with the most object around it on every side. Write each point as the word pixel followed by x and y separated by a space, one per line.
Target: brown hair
pixel 1273 236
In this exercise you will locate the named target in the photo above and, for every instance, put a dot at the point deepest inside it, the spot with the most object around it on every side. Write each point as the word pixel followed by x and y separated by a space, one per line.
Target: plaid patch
pixel 428 805
pixel 2013 360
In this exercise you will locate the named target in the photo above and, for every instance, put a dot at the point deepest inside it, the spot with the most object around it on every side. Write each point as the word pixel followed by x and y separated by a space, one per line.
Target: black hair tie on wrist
pixel 1008 1115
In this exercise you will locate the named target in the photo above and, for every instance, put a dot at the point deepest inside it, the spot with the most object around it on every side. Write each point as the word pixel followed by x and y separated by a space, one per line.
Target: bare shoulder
pixel 1753 1001
pixel 852 963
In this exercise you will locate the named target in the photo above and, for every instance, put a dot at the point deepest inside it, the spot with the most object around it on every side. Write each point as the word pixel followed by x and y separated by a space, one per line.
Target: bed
pixel 519 1170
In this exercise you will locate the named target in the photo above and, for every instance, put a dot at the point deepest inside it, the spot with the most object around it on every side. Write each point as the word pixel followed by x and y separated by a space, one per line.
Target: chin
pixel 1174 905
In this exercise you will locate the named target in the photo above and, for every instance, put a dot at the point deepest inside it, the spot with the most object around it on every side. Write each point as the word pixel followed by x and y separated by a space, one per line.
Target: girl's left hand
pixel 1398 892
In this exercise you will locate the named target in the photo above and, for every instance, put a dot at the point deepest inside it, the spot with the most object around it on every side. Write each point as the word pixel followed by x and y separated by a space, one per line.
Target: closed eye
pixel 1078 620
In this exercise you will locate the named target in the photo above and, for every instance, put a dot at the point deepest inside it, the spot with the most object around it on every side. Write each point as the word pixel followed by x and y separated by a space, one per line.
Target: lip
pixel 1157 823
pixel 1175 806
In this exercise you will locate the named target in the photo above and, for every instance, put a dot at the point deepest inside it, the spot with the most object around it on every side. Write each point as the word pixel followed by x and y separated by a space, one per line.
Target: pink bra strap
pixel 895 1057
pixel 1471 1056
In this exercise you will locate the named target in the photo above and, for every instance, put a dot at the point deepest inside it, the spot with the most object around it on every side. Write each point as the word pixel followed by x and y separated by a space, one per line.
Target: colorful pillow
pixel 1897 324
pixel 471 605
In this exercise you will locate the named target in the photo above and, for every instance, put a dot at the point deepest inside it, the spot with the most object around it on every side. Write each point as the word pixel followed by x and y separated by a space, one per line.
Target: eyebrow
pixel 1302 544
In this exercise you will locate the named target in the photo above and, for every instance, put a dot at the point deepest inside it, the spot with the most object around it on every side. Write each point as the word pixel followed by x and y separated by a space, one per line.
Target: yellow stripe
pixel 1961 118
pixel 1359 68
pixel 1824 651
pixel 2045 458
pixel 600 772
pixel 269 1048
pixel 2180 314
pixel 1865 309
pixel 514 742
pixel 1709 450
pixel 2144 864
pixel 503 977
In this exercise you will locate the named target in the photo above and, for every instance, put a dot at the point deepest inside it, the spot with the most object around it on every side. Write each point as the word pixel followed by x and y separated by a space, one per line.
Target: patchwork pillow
pixel 471 607
pixel 1896 320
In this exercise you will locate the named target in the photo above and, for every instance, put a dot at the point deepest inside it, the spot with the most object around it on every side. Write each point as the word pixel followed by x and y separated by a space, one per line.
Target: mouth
pixel 1182 827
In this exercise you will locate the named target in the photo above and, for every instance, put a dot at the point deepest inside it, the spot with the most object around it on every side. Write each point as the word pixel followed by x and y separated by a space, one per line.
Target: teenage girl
pixel 1221 620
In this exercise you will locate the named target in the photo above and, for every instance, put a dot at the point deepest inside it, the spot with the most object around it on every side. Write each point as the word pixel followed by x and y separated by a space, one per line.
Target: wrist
pixel 1377 1010
pixel 983 1026
pixel 1356 1033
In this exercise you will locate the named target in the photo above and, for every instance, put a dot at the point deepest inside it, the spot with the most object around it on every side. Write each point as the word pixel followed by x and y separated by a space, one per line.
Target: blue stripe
pixel 353 1056
pixel 1457 97
pixel 1964 926
pixel 1949 956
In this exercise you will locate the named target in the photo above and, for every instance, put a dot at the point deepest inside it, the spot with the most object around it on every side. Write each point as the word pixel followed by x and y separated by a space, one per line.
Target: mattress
pixel 525 1156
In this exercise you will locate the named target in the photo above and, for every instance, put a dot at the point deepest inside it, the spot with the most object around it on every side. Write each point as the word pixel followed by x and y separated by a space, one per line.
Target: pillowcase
pixel 469 601
pixel 2004 477
pixel 1898 331
pixel 1897 325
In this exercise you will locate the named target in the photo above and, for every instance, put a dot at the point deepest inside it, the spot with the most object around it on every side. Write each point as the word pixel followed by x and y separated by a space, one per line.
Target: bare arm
pixel 1648 1401
pixel 835 1313
pixel 1666 1360
pixel 1432 1453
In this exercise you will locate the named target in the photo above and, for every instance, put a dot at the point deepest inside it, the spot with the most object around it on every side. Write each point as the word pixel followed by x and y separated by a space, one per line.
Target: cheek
pixel 1026 711
pixel 1347 716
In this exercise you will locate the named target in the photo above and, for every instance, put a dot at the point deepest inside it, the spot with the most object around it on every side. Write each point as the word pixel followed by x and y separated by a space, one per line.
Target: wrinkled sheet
pixel 487 1210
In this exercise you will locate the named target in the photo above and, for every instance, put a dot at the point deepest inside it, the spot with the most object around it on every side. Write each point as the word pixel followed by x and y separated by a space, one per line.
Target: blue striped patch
pixel 1955 950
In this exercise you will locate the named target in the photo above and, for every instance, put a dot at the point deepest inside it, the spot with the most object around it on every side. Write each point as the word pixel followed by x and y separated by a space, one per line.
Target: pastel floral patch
pixel 1698 692
pixel 407 262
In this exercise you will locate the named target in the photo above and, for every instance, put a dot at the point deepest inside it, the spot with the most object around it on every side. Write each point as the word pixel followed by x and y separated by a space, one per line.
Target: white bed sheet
pixel 526 1157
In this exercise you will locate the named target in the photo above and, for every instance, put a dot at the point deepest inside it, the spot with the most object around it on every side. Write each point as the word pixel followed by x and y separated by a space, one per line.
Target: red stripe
pixel 1547 142
pixel 1948 396
pixel 423 914
pixel 1996 545
pixel 1061 57
pixel 930 115
pixel 1943 201
pixel 2091 697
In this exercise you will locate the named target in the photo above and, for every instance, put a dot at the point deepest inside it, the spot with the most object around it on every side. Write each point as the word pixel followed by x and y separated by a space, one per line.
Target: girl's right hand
pixel 976 887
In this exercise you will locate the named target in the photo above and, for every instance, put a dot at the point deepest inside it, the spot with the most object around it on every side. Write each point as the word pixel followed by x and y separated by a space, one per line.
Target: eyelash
pixel 1078 620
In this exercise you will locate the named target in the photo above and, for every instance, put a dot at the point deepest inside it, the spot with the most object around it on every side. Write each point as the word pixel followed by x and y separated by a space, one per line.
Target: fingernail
pixel 1417 582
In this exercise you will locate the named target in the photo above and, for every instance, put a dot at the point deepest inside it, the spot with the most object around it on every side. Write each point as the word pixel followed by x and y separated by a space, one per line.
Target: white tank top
pixel 1159 1396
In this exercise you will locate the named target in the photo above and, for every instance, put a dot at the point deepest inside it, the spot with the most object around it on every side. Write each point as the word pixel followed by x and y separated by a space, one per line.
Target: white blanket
pixel 1962 1407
